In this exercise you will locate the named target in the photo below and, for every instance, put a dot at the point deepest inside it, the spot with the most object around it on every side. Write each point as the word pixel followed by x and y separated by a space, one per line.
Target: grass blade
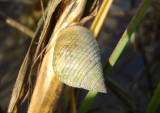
pixel 155 101
pixel 117 51
pixel 100 17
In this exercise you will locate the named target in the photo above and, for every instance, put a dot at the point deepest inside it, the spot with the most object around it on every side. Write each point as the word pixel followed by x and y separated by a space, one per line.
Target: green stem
pixel 117 51
pixel 155 101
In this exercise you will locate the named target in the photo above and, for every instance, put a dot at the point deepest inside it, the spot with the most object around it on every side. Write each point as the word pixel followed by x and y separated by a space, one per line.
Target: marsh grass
pixel 75 104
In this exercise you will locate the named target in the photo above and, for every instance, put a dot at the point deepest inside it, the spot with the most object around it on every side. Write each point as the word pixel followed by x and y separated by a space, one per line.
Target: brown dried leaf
pixel 46 89
pixel 35 58
pixel 90 11
pixel 22 83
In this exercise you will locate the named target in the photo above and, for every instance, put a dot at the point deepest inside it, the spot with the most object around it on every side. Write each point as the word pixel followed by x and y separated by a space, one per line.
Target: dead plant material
pixel 16 25
pixel 37 65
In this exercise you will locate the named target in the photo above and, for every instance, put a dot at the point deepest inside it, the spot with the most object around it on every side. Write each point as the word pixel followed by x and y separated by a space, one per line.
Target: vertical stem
pixel 47 103
pixel 73 104
pixel 100 17
pixel 48 88
pixel 117 51
pixel 127 34
pixel 155 101
pixel 16 25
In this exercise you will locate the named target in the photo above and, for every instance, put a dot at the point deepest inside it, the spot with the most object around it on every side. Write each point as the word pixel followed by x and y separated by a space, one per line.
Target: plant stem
pixel 117 51
pixel 72 101
pixel 128 32
pixel 155 101
pixel 16 25
pixel 100 17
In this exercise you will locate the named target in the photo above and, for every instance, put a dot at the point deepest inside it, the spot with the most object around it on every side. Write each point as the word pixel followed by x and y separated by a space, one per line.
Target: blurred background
pixel 131 82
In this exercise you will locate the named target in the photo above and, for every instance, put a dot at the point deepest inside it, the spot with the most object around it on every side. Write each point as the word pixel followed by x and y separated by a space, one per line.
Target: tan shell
pixel 76 59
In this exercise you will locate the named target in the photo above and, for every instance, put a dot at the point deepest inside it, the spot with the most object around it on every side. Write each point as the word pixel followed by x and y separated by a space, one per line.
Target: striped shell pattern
pixel 76 59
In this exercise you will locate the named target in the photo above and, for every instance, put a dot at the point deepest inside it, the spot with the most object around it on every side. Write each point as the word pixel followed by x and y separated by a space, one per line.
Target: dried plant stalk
pixel 16 25
pixel 37 64
pixel 48 88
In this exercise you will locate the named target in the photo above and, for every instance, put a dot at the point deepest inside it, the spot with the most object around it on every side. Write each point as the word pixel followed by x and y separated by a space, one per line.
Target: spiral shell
pixel 76 59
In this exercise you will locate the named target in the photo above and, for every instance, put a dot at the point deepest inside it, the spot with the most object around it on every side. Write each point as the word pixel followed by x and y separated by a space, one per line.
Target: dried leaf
pixel 57 15
pixel 90 11
pixel 22 83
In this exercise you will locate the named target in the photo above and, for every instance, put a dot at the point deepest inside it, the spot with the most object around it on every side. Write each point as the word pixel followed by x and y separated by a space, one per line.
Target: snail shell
pixel 76 59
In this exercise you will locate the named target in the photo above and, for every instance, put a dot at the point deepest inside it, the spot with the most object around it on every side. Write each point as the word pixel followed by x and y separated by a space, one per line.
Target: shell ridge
pixel 76 64
pixel 70 60
pixel 91 56
pixel 103 87
pixel 92 44
pixel 83 81
pixel 61 52
pixel 85 63
pixel 96 78
pixel 77 59
pixel 83 39
pixel 82 63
